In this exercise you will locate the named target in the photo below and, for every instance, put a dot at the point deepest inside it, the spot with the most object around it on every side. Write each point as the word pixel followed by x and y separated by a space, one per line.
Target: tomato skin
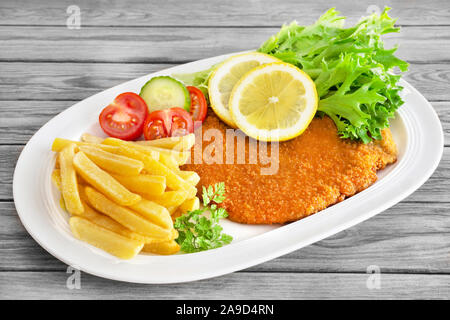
pixel 199 106
pixel 168 123
pixel 124 118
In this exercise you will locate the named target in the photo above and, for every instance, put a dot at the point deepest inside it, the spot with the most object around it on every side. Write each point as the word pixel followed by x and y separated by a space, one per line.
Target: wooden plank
pixel 212 12
pixel 406 238
pixel 432 80
pixel 44 285
pixel 77 81
pixel 18 127
pixel 443 111
pixel 66 81
pixel 8 160
pixel 17 244
pixel 162 44
pixel 409 237
pixel 435 189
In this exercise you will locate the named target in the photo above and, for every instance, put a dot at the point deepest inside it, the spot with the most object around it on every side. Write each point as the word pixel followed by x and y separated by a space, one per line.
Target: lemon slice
pixel 226 75
pixel 273 102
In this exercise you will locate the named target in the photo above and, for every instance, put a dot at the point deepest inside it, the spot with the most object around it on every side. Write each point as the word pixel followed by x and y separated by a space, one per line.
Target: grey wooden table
pixel 45 67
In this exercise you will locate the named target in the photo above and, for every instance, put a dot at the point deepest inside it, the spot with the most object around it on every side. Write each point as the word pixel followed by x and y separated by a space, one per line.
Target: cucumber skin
pixel 187 103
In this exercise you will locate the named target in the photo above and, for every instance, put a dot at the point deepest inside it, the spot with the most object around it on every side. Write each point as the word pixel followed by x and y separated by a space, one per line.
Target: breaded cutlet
pixel 316 170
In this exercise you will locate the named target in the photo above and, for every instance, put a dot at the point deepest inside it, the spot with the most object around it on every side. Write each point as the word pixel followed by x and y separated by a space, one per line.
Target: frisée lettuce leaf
pixel 352 70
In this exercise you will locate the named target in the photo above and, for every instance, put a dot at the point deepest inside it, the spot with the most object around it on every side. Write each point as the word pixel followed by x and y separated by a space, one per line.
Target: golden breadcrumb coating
pixel 316 170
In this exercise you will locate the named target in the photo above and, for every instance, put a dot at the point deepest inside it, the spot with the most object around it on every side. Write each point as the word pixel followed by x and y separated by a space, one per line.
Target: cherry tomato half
pixel 199 107
pixel 124 118
pixel 171 122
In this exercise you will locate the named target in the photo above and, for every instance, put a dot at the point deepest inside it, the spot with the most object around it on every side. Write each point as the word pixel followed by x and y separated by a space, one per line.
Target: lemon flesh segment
pixel 227 74
pixel 227 83
pixel 273 102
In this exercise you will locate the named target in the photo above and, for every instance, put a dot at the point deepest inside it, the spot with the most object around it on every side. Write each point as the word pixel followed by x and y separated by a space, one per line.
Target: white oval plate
pixel 416 129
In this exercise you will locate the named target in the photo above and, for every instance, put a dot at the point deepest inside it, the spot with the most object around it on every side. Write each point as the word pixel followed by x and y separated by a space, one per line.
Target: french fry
pixel 173 236
pixel 106 222
pixel 143 184
pixel 56 178
pixel 154 167
pixel 60 143
pixel 189 205
pixel 69 185
pixel 122 143
pixel 125 216
pixel 163 248
pixel 113 162
pixel 190 176
pixel 83 196
pixel 173 180
pixel 154 212
pixel 81 181
pixel 135 154
pixel 89 138
pixel 176 143
pixel 176 215
pixel 103 182
pixel 186 142
pixel 113 243
pixel 186 206
pixel 170 198
pixel 169 161
pixel 180 157
pixel 172 210
pixel 62 204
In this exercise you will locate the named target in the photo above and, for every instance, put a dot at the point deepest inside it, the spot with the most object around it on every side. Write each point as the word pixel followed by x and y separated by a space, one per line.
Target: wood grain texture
pixel 8 160
pixel 397 240
pixel 66 81
pixel 267 286
pixel 162 44
pixel 213 12
pixel 77 81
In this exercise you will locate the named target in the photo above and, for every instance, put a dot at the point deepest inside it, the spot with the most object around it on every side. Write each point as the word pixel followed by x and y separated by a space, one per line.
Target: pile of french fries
pixel 123 196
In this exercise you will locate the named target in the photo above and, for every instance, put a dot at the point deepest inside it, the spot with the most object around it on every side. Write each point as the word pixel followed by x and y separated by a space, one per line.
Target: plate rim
pixel 316 218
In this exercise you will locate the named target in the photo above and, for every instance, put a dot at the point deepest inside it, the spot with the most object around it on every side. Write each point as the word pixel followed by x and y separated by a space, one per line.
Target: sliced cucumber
pixel 165 92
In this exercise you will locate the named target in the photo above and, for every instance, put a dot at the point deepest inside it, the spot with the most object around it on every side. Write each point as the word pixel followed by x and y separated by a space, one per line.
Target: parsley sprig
pixel 198 232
